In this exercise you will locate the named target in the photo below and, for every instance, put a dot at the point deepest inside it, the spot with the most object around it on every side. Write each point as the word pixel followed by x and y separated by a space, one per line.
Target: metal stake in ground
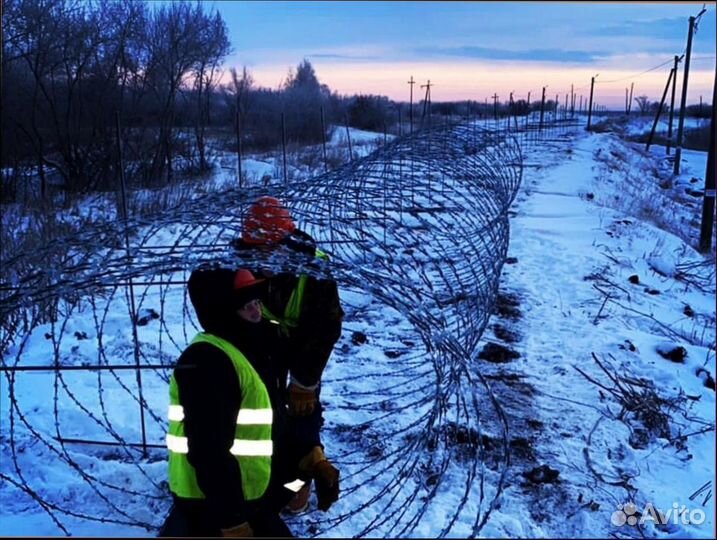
pixel 410 106
pixel 323 139
pixel 283 146
pixel 132 305
pixel 238 126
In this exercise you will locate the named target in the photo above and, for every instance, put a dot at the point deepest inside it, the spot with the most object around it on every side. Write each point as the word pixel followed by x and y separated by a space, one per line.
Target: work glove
pixel 325 475
pixel 302 400
pixel 243 530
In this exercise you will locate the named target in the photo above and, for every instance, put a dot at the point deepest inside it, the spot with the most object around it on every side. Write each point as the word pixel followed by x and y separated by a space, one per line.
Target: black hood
pixel 212 295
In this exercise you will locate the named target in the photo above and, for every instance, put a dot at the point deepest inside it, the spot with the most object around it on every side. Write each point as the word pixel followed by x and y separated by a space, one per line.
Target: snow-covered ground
pixel 572 261
pixel 601 281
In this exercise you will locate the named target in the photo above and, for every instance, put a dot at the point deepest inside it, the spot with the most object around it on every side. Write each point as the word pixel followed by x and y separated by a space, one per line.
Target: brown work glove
pixel 302 400
pixel 325 475
pixel 243 530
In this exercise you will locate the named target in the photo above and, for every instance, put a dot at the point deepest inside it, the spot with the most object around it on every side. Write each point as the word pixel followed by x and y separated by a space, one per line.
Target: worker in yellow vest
pixel 223 421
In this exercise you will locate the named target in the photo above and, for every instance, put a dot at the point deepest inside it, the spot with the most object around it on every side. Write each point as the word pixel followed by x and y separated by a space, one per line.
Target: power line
pixel 641 73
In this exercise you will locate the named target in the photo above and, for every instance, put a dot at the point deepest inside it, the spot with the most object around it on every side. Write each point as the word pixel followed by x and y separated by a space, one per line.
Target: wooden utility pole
pixel 542 109
pixel 708 202
pixel 659 110
pixel 629 102
pixel 590 105
pixel 410 107
pixel 495 106
pixel 683 102
pixel 672 107
pixel 572 101
pixel 427 101
pixel 626 111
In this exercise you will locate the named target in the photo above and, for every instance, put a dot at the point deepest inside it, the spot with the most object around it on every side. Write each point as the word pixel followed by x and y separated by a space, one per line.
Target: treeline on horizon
pixel 76 73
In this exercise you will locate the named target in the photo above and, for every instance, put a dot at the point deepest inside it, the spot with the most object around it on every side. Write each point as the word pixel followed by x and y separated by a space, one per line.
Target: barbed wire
pixel 418 231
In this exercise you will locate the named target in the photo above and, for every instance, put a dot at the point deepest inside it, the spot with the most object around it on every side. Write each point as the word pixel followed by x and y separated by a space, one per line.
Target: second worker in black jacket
pixel 308 312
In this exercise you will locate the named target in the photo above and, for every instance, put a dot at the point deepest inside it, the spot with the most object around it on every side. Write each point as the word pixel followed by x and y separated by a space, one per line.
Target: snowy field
pixel 601 356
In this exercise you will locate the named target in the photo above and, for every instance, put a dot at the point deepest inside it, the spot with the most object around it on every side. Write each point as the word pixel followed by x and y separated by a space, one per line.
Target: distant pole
pixel 580 108
pixel 495 106
pixel 590 103
pixel 672 108
pixel 512 112
pixel 626 103
pixel 527 116
pixel 659 110
pixel 555 110
pixel 629 102
pixel 120 169
pixel 708 202
pixel 323 139
pixel 683 103
pixel 572 101
pixel 542 110
pixel 427 102
pixel 410 109
pixel 283 146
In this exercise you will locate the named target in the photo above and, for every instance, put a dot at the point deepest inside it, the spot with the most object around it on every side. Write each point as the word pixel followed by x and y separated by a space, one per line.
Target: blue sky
pixel 471 49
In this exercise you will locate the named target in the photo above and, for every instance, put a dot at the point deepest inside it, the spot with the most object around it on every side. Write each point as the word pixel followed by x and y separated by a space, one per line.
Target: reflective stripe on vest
pixel 245 416
pixel 292 311
pixel 252 444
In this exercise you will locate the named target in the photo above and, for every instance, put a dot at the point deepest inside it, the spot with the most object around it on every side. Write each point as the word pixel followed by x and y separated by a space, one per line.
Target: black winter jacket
pixel 307 348
pixel 210 393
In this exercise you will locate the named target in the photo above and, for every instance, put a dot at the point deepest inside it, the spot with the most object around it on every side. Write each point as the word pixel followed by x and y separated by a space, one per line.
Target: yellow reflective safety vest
pixel 292 310
pixel 252 446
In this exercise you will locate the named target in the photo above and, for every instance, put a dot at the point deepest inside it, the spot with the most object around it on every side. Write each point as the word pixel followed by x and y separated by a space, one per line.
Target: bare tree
pixel 67 62
pixel 643 103
pixel 242 86
pixel 214 44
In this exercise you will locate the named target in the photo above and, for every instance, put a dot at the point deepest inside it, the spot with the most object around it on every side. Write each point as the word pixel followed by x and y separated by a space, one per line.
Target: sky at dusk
pixel 470 50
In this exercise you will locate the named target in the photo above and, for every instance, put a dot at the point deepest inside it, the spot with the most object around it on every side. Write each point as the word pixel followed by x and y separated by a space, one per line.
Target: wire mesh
pixel 417 233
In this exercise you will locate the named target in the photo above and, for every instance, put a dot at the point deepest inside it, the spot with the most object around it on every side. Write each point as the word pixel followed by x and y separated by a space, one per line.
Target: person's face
pixel 251 311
